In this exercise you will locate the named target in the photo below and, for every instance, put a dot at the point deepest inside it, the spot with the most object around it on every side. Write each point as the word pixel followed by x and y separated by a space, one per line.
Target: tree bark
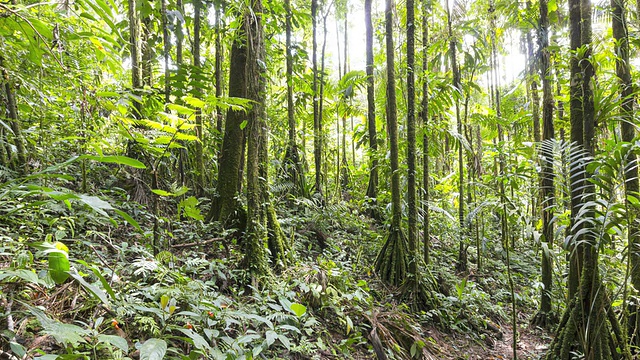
pixel 134 49
pixel 225 203
pixel 426 234
pixel 623 71
pixel 411 140
pixel 14 122
pixel 547 188
pixel 372 188
pixel 317 127
pixel 392 262
pixel 461 265
pixel 256 236
pixel 199 156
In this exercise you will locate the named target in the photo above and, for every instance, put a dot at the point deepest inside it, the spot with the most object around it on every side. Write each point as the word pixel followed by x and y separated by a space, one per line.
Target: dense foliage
pixel 188 179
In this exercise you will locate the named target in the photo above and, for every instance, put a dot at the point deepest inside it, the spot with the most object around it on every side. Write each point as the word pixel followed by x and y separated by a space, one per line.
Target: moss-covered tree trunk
pixel 225 202
pixel 623 71
pixel 199 155
pixel 256 236
pixel 14 123
pixel 426 233
pixel 411 141
pixel 576 172
pixel 392 262
pixel 262 225
pixel 589 324
pixel 547 188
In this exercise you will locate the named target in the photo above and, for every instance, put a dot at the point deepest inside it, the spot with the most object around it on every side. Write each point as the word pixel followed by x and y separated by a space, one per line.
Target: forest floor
pixel 327 303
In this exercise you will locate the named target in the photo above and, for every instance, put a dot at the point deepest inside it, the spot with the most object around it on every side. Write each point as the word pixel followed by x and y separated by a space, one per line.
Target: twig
pixel 180 246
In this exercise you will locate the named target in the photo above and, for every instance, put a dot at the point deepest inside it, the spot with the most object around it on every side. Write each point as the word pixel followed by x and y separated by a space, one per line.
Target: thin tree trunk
pixel 392 262
pixel 576 170
pixel 623 71
pixel 372 188
pixel 461 265
pixel 14 122
pixel 317 127
pixel 411 140
pixel 426 233
pixel 218 73
pixel 134 49
pixel 199 156
pixel 167 46
pixel 547 188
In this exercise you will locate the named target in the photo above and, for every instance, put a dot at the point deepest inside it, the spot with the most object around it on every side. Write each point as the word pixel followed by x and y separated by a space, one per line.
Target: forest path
pixel 532 344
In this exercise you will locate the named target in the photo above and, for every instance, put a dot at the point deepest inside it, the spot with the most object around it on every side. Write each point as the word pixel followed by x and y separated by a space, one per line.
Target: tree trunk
pixel 547 188
pixel 623 71
pixel 411 140
pixel 134 49
pixel 317 127
pixel 589 319
pixel 199 156
pixel 461 265
pixel 392 262
pixel 576 171
pixel 292 164
pixel 218 74
pixel 225 203
pixel 372 188
pixel 426 234
pixel 14 123
pixel 256 235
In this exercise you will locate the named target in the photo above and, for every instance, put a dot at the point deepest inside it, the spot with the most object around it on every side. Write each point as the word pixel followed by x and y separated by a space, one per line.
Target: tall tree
pixel 14 122
pixel 411 140
pixel 197 64
pixel 317 121
pixel 461 265
pixel 588 321
pixel 426 234
pixel 262 225
pixel 256 235
pixel 134 50
pixel 372 188
pixel 547 188
pixel 293 165
pixel 392 261
pixel 623 71
pixel 225 201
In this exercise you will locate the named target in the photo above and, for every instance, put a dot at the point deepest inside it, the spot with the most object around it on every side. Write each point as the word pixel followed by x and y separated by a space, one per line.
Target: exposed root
pixel 392 263
pixel 419 292
pixel 544 320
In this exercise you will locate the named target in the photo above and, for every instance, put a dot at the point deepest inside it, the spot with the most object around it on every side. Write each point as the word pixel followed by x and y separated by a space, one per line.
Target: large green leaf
pixel 117 159
pixel 67 334
pixel 153 349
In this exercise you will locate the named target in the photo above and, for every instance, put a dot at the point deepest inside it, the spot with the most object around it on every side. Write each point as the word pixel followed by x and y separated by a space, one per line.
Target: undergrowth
pixel 191 301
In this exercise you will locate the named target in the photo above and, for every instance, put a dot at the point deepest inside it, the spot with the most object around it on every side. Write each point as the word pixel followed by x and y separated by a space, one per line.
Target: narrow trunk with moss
pixel 547 188
pixel 623 72
pixel 199 155
pixel 225 202
pixel 392 263
pixel 589 324
pixel 256 236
